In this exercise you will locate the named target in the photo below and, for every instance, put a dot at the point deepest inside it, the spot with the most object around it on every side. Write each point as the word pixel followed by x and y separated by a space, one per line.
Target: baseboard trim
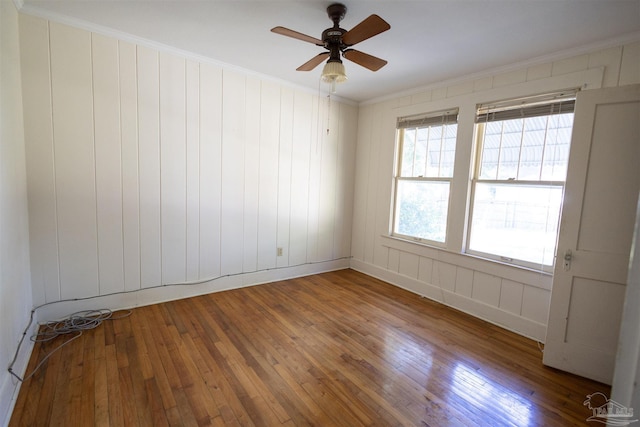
pixel 160 294
pixel 10 385
pixel 517 324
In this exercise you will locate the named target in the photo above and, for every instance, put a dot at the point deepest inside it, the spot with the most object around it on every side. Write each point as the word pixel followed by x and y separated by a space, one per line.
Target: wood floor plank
pixel 61 396
pixel 116 415
pixel 88 379
pixel 158 414
pixel 161 381
pixel 101 393
pixel 333 349
pixel 222 385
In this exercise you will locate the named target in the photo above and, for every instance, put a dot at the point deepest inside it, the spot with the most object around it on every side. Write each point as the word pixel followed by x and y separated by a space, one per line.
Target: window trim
pixel 553 103
pixel 446 116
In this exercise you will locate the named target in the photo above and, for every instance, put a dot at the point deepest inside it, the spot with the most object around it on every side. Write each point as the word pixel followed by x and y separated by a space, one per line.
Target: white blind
pixel 430 119
pixel 542 105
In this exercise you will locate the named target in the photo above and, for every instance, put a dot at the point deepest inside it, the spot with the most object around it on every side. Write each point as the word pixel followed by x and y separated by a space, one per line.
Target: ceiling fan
pixel 338 41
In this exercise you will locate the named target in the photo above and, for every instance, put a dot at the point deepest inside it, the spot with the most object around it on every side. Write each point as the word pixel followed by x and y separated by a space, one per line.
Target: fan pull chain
pixel 329 114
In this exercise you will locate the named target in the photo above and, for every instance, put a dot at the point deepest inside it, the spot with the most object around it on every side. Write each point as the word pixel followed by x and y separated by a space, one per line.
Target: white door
pixel 596 230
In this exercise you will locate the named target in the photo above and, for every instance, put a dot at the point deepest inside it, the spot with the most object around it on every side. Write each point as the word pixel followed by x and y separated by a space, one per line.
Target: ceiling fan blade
pixel 370 27
pixel 367 61
pixel 296 35
pixel 313 62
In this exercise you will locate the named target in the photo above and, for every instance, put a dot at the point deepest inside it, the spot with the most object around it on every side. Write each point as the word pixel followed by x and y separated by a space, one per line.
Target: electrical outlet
pixel 279 251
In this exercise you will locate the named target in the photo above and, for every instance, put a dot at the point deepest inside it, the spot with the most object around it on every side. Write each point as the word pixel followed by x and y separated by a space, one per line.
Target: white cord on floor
pixel 76 323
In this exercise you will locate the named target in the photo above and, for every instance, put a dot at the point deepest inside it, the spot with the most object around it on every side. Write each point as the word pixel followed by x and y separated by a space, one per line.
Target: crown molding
pixel 31 10
pixel 552 57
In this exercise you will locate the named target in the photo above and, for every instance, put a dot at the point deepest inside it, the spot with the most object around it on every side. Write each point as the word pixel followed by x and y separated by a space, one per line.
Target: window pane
pixel 530 149
pixel 429 151
pixel 516 221
pixel 556 153
pixel 535 131
pixel 420 160
pixel 491 150
pixel 448 151
pixel 435 142
pixel 510 149
pixel 408 152
pixel 421 209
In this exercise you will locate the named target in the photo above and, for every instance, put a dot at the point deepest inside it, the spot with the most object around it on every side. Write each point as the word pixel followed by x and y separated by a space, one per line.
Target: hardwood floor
pixel 335 349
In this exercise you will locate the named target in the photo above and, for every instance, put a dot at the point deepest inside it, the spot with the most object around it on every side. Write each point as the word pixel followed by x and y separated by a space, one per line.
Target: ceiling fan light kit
pixel 338 41
pixel 334 72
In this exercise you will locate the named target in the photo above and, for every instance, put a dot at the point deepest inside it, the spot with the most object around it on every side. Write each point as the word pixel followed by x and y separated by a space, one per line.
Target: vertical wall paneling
pixel 299 208
pixel 445 274
pixel 210 169
pixel 149 166
pixel 372 190
pixel 129 145
pixel 630 64
pixel 327 206
pixel 193 170
pixel 232 200
pixel 383 178
pixel 318 132
pixel 71 83
pixel 268 180
pixel 511 296
pixel 252 168
pixel 146 168
pixel 173 185
pixel 287 108
pixel 340 222
pixel 346 180
pixel 38 131
pixel 363 149
pixel 106 107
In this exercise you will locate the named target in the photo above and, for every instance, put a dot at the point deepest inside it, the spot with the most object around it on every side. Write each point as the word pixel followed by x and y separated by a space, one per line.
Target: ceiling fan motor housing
pixel 332 37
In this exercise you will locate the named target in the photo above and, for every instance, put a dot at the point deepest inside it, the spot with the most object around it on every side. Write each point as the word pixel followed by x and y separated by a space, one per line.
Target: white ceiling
pixel 429 41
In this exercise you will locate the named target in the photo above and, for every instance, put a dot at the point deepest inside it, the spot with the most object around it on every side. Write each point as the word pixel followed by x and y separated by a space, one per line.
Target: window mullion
pixel 524 121
pixel 480 147
pixel 544 146
pixel 442 134
pixel 426 148
pixel 500 150
pixel 415 146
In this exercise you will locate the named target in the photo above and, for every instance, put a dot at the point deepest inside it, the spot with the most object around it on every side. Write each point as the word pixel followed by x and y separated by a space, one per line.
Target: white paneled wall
pixel 129 146
pixel 515 298
pixel 146 168
pixel 15 278
pixel 74 154
pixel 108 173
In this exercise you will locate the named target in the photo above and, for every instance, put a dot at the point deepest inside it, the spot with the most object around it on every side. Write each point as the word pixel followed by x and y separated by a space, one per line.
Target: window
pixel 522 155
pixel 427 146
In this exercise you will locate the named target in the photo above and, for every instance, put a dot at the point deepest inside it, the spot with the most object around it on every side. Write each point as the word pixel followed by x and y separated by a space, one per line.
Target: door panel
pixel 589 297
pixel 611 169
pixel 596 228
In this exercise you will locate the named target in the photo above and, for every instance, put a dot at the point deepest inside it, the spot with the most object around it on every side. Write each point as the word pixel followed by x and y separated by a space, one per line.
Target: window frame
pixel 478 149
pixel 448 117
